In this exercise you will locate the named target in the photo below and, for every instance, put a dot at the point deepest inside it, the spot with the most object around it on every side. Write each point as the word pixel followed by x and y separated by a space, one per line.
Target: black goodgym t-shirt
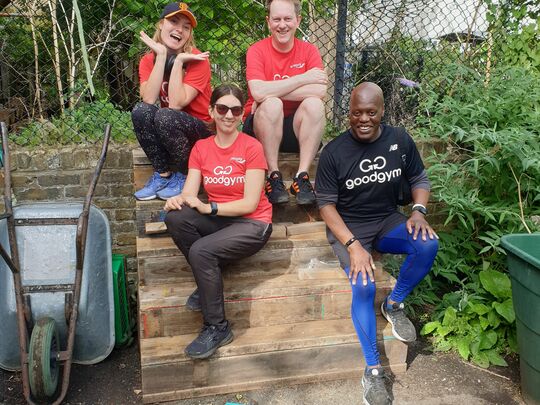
pixel 365 177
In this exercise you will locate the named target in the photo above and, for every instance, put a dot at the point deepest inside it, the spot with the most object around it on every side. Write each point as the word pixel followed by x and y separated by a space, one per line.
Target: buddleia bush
pixel 488 181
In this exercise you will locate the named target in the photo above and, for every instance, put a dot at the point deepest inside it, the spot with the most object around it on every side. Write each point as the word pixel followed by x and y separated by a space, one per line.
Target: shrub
pixel 487 180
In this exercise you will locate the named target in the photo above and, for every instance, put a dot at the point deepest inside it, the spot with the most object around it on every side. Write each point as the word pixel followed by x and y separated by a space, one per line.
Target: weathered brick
pixel 19 180
pixel 124 239
pixel 125 157
pixel 124 214
pixel 115 202
pixel 22 160
pixel 38 162
pixel 40 194
pixel 116 176
pixel 80 191
pixel 78 159
pixel 58 179
pixel 122 227
pixel 121 189
pixel 111 161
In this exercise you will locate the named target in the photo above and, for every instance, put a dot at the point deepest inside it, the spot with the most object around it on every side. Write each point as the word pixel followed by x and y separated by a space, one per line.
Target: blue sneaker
pixel 175 186
pixel 152 186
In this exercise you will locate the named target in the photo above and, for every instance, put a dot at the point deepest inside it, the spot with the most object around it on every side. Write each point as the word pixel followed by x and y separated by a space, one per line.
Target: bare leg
pixel 268 127
pixel 308 125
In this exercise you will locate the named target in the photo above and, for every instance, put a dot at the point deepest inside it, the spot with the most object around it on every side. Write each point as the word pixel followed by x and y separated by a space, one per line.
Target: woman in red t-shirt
pixel 235 223
pixel 178 75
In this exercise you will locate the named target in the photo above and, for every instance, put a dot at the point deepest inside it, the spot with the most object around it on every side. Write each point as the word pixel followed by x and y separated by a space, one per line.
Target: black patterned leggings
pixel 166 135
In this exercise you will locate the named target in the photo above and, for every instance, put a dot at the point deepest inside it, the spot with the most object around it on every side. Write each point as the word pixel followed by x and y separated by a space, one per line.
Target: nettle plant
pixel 488 180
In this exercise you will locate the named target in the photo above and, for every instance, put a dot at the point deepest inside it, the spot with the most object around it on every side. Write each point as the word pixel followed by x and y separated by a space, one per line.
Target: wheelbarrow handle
pixel 82 224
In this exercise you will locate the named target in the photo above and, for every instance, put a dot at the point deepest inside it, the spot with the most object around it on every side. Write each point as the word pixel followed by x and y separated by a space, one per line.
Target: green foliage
pixel 82 124
pixel 487 174
pixel 477 321
pixel 519 23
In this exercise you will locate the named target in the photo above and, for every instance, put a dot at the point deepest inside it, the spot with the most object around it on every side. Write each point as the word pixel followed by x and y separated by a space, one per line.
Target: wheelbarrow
pixel 56 295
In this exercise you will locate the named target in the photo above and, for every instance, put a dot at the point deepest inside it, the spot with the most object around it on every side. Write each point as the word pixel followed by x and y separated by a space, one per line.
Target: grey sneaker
pixel 402 327
pixel 375 392
pixel 209 340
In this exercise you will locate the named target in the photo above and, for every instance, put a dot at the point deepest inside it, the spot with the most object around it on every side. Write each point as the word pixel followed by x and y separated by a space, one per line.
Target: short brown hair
pixel 295 3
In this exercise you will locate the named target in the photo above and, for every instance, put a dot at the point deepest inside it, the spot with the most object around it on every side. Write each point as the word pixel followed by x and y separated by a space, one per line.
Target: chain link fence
pixel 69 66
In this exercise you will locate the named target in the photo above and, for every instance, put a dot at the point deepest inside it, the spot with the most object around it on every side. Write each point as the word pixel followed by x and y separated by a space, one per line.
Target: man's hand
pixel 417 224
pixel 158 48
pixel 316 76
pixel 361 262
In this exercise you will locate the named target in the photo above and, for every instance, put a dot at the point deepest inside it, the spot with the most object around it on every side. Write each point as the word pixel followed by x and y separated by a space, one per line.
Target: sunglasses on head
pixel 224 109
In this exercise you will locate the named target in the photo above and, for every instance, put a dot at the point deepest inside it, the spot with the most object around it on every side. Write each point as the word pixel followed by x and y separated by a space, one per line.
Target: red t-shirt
pixel 197 75
pixel 224 171
pixel 264 62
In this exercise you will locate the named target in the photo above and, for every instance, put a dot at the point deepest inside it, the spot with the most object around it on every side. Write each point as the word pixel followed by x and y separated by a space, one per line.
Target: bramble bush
pixel 488 180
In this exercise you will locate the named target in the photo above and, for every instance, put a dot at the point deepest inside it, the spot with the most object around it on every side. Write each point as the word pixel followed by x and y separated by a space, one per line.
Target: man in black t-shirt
pixel 358 183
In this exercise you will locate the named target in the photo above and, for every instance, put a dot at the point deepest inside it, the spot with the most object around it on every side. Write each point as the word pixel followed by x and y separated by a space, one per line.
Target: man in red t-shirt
pixel 287 84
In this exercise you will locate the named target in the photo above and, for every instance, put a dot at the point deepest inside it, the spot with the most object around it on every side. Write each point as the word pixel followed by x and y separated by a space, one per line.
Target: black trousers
pixel 209 242
pixel 166 135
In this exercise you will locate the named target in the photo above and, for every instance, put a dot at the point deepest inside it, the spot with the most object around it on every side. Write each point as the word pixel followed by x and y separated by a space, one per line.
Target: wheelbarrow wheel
pixel 42 364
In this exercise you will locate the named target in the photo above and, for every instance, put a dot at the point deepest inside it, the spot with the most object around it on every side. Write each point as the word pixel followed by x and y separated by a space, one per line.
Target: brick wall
pixel 64 174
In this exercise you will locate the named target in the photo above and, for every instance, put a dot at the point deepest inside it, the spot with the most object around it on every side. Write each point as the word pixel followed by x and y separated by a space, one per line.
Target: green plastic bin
pixel 524 266
pixel 123 321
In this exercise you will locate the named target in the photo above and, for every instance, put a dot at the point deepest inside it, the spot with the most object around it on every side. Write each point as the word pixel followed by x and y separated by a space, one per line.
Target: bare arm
pixel 150 89
pixel 261 89
pixel 309 90
pixel 361 260
pixel 180 94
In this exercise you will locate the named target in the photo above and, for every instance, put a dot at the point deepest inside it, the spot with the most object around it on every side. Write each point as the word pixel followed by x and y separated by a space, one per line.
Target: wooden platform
pixel 289 306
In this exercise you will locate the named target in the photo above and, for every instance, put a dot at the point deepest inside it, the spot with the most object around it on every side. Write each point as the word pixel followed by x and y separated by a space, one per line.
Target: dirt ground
pixel 432 379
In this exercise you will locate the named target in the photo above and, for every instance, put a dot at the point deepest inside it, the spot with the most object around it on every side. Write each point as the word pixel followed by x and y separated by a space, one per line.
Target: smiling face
pixel 226 123
pixel 366 112
pixel 175 32
pixel 282 23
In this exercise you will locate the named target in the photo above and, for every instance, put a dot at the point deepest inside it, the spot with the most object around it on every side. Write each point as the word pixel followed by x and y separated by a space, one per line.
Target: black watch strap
pixel 420 208
pixel 214 208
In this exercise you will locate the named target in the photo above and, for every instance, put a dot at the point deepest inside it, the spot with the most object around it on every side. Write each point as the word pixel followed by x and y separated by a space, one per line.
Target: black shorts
pixel 289 142
pixel 367 233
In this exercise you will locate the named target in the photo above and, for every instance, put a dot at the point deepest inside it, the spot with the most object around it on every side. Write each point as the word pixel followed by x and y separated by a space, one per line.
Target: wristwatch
pixel 213 208
pixel 420 208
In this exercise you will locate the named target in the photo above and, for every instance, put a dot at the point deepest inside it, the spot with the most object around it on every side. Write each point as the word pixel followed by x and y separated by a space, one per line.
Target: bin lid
pixel 524 245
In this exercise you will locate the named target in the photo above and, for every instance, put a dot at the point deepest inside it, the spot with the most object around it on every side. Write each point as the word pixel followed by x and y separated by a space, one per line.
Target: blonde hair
pixel 295 3
pixel 188 46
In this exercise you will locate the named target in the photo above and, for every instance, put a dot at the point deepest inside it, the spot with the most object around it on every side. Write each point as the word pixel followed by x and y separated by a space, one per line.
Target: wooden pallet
pixel 289 306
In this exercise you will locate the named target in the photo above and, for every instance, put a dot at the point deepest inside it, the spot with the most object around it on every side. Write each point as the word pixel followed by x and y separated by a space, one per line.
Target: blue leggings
pixel 420 257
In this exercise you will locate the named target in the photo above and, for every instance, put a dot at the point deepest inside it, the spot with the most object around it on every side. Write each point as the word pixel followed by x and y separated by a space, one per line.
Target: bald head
pixel 367 92
pixel 366 111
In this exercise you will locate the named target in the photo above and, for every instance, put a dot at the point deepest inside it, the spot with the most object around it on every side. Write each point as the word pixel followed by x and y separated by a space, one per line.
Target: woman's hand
pixel 194 202
pixel 174 203
pixel 184 57
pixel 417 224
pixel 158 48
pixel 361 262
